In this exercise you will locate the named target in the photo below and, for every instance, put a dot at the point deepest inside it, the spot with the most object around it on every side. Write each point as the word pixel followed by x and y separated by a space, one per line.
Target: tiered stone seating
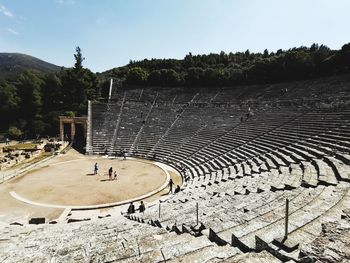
pixel 159 121
pixel 106 240
pixel 132 119
pixel 240 168
pixel 104 122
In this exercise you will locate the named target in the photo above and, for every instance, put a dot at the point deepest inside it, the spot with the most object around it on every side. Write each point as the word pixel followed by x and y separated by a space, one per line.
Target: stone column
pixel 89 149
pixel 72 131
pixel 61 130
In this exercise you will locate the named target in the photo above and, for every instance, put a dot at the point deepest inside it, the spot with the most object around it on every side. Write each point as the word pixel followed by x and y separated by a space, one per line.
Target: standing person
pixel 124 157
pixel 95 168
pixel 115 175
pixel 131 208
pixel 142 207
pixel 171 183
pixel 110 172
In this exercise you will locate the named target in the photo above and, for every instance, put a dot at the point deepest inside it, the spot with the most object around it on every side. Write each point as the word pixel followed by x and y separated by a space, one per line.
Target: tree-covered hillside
pixel 237 68
pixel 31 103
pixel 13 64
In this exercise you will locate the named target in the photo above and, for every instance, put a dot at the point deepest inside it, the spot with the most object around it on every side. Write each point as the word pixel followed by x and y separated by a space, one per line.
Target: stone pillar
pixel 72 131
pixel 61 130
pixel 89 149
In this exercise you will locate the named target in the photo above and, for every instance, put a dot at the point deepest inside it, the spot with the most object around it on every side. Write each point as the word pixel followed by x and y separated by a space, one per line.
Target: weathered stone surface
pixel 16 224
pixel 346 214
pixel 262 257
pixel 332 246
pixel 108 240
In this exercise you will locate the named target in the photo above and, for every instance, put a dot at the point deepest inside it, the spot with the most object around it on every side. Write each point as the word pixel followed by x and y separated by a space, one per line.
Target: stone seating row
pixel 239 225
pixel 110 239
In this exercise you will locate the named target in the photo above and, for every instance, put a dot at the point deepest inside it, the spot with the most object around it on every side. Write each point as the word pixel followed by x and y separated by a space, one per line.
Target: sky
pixel 110 33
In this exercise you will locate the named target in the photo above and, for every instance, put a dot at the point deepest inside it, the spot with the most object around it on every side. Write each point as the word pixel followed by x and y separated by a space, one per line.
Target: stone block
pixel 37 220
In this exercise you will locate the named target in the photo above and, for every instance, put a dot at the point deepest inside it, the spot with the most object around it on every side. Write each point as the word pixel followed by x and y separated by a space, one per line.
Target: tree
pixel 212 77
pixel 51 120
pixel 136 76
pixel 78 86
pixel 29 91
pixel 69 114
pixel 266 53
pixel 9 99
pixel 104 89
pixel 52 92
pixel 9 103
pixel 14 133
pixel 164 77
pixel 194 76
pixel 78 59
pixel 37 126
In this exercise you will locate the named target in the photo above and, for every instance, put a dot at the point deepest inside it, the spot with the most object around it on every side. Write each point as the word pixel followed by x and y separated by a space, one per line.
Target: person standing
pixel 131 208
pixel 110 172
pixel 115 175
pixel 95 168
pixel 142 207
pixel 171 183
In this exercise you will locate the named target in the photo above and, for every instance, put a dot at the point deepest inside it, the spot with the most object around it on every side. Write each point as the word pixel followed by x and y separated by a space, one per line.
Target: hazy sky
pixel 111 32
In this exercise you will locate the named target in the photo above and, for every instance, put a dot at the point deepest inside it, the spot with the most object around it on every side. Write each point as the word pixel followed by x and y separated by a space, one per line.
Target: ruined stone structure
pixel 72 122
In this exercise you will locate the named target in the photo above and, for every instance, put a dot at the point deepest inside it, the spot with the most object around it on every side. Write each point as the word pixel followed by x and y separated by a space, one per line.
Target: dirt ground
pixel 68 180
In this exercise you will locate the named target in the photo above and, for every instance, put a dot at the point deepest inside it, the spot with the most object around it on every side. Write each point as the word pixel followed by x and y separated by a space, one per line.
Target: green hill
pixel 12 64
pixel 240 68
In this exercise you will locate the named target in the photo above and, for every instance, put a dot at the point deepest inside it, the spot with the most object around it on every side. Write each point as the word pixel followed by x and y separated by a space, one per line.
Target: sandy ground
pixel 73 182
pixel 68 180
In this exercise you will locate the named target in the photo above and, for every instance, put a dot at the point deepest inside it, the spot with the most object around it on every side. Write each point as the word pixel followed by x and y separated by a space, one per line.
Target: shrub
pixel 14 133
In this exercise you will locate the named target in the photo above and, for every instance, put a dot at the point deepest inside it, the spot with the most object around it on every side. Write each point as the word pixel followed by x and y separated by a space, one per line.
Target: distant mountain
pixel 12 64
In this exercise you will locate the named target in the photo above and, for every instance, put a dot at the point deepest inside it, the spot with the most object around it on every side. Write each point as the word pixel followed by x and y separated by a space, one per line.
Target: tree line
pixel 237 68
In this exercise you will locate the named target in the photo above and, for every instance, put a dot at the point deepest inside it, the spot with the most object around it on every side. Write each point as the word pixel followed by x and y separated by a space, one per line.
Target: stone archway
pixel 72 121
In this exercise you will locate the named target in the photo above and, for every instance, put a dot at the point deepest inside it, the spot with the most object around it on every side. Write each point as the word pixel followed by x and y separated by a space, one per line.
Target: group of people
pixel 171 184
pixel 113 176
pixel 142 208
pixel 110 172
pixel 131 208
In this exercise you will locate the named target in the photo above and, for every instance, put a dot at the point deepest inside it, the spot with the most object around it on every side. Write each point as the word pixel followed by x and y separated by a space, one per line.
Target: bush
pixel 69 114
pixel 14 133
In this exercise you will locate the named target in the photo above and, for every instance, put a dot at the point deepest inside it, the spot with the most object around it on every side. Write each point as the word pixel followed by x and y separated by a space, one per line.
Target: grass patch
pixel 36 159
pixel 41 157
pixel 22 146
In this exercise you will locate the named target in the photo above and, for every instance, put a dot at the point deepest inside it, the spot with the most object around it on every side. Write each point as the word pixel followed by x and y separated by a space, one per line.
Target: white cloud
pixel 5 11
pixel 13 32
